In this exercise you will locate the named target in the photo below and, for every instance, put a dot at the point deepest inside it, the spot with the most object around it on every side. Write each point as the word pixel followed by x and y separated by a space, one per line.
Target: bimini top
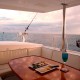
pixel 36 5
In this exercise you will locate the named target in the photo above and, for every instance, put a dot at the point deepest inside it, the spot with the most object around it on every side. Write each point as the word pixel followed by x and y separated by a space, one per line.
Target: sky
pixel 50 22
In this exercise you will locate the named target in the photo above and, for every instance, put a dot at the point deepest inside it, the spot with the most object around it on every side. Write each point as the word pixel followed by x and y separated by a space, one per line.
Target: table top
pixel 21 67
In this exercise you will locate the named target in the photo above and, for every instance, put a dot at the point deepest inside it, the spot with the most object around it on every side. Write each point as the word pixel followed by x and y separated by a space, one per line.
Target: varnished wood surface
pixel 21 68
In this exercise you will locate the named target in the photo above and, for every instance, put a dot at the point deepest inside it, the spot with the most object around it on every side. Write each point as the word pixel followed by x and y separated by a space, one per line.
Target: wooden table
pixel 21 68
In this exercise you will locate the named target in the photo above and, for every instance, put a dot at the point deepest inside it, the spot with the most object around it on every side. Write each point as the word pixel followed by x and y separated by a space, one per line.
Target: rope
pixel 30 22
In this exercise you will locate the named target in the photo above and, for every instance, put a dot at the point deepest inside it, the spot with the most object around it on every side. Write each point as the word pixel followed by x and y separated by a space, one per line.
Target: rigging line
pixel 30 22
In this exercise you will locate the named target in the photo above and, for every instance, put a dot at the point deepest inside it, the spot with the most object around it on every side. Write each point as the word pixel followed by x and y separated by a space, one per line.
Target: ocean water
pixel 52 40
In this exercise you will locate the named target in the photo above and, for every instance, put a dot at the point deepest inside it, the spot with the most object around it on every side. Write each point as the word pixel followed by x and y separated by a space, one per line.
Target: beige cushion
pixel 12 45
pixel 6 56
pixel 4 68
pixel 11 50
pixel 34 51
pixel 73 59
pixel 47 52
pixel 18 53
pixel 57 56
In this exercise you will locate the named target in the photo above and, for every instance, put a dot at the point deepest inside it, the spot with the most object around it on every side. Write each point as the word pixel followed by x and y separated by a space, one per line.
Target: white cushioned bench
pixel 13 50
pixel 38 50
pixel 56 55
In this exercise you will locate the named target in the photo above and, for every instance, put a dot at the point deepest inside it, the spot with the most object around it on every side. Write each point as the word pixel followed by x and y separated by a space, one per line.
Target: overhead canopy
pixel 36 5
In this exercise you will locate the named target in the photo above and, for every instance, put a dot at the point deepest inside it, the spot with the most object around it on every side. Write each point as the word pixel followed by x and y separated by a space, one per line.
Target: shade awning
pixel 36 5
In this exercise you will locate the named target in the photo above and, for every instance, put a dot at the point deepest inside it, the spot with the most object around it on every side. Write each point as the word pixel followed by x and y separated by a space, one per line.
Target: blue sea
pixel 52 40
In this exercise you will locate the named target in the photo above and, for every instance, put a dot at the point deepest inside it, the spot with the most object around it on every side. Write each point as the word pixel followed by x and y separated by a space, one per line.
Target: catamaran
pixel 13 49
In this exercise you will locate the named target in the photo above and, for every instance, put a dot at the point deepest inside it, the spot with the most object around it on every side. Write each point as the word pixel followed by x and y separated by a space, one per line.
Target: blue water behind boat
pixel 52 40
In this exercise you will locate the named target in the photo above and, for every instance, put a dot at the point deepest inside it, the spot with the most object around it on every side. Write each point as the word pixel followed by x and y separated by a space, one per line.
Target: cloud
pixel 41 27
pixel 47 22
pixel 71 27
pixel 5 18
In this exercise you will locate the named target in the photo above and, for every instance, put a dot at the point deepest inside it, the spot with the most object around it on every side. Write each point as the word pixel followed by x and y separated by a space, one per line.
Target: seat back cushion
pixel 34 51
pixel 6 56
pixel 47 52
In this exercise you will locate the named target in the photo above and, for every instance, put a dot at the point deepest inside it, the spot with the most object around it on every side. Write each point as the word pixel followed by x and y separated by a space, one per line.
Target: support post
pixel 63 48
